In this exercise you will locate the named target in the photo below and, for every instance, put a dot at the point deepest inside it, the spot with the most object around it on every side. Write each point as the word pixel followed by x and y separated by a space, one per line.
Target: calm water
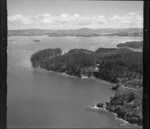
pixel 37 98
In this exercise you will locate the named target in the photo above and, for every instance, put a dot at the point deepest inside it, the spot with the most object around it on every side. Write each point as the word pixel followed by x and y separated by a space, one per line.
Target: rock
pixel 100 105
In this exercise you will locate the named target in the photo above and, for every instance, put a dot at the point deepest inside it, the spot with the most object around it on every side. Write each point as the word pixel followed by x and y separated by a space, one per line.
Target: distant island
pixel 121 66
pixel 36 40
pixel 82 32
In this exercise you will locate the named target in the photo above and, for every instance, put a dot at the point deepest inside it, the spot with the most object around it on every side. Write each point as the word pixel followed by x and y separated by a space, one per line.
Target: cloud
pixel 116 17
pixel 47 18
pixel 95 20
pixel 132 19
pixel 62 19
pixel 20 18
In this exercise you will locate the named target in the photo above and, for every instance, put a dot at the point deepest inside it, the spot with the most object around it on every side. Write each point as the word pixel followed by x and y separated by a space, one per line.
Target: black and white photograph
pixel 75 64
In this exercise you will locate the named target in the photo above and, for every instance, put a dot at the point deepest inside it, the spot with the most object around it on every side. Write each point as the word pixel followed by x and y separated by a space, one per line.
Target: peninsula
pixel 120 66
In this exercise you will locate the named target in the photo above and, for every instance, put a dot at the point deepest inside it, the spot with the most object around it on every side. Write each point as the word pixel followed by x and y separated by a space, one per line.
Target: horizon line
pixel 77 28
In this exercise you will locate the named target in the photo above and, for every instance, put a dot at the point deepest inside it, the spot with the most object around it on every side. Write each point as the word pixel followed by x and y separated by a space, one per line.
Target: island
pixel 36 40
pixel 120 66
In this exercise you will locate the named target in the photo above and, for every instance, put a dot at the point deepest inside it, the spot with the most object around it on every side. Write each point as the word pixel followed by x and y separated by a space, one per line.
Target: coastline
pixel 95 105
pixel 125 122
pixel 82 77
pixel 73 76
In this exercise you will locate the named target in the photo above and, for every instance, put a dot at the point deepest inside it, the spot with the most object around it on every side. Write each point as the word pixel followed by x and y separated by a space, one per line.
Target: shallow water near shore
pixel 37 98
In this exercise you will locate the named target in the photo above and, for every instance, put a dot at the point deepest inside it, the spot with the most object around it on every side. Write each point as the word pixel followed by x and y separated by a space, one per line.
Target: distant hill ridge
pixel 78 32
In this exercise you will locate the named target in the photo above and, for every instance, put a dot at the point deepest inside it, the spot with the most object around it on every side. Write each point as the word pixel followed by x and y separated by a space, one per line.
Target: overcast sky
pixel 71 14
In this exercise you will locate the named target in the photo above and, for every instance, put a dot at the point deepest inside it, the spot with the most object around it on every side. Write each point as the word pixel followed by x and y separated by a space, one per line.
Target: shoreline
pixel 73 76
pixel 125 122
pixel 95 105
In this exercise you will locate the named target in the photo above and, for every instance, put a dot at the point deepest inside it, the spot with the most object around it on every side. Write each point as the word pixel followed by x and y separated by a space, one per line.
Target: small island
pixel 120 66
pixel 36 40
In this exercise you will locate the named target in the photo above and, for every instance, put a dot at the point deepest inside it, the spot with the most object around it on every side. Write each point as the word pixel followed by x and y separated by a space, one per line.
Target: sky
pixel 73 14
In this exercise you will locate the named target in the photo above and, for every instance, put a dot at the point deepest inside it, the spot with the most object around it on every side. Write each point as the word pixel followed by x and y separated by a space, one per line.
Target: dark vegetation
pixel 117 65
pixel 127 104
pixel 39 57
pixel 108 64
pixel 72 63
pixel 132 44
